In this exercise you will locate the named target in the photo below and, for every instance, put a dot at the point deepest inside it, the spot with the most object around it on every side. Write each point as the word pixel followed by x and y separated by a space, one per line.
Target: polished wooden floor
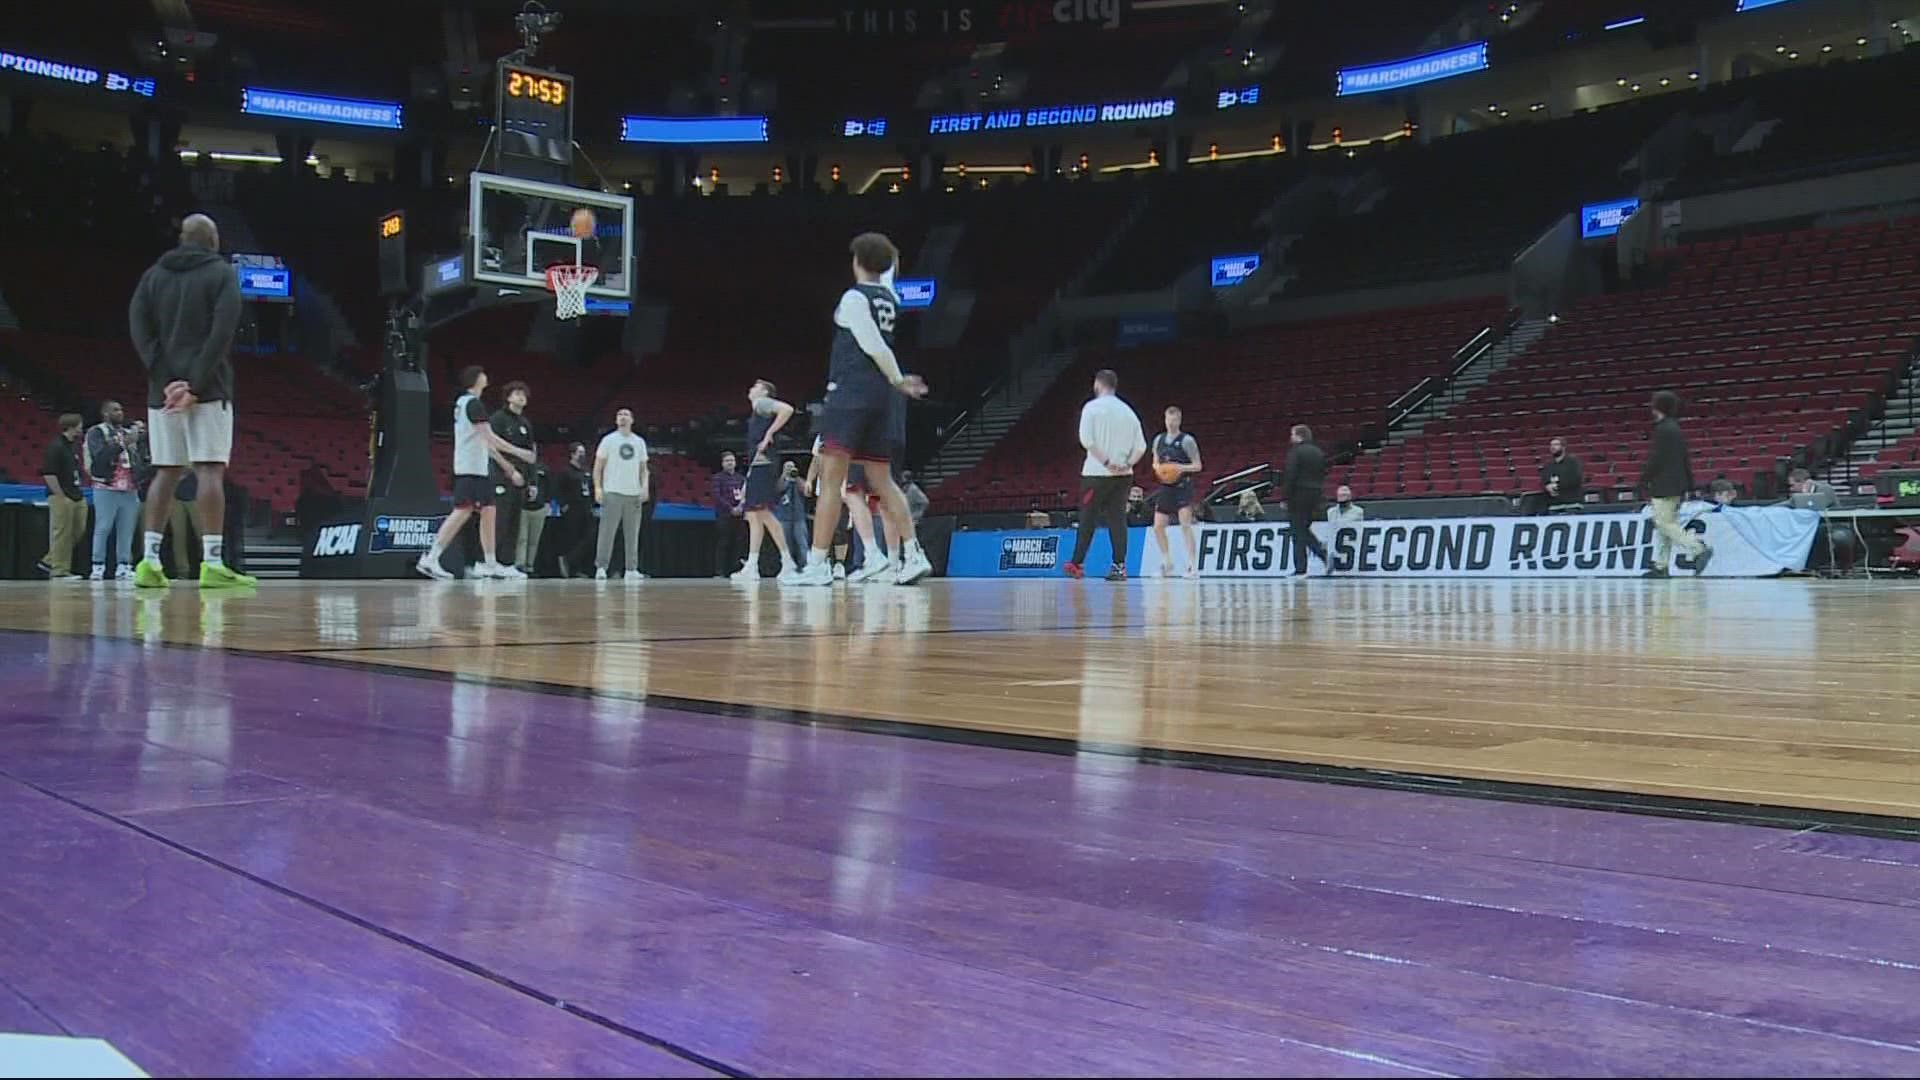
pixel 1793 693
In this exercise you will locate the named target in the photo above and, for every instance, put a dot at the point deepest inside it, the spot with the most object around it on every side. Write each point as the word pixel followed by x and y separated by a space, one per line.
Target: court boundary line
pixel 1680 807
pixel 666 1046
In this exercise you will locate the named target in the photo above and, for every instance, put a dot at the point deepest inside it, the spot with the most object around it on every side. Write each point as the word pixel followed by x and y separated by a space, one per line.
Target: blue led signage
pixel 693 129
pixel 1051 116
pixel 321 109
pixel 1414 70
pixel 76 74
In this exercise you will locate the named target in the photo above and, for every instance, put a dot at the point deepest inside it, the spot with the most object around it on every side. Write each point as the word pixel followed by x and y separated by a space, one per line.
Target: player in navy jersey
pixel 762 490
pixel 855 422
pixel 1175 500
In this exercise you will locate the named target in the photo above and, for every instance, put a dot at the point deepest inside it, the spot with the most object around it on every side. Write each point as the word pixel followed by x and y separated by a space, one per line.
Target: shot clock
pixel 535 121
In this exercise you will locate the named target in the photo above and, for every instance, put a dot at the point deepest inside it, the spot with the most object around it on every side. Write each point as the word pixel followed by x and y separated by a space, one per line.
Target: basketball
pixel 1168 472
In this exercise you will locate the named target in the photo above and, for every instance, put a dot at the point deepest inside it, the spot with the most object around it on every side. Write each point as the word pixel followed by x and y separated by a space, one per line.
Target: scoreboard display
pixel 534 121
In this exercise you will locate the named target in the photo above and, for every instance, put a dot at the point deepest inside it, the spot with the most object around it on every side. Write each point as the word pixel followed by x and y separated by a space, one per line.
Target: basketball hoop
pixel 569 283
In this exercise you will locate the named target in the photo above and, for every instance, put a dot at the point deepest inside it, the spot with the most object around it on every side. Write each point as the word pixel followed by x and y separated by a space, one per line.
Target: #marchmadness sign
pixel 1747 542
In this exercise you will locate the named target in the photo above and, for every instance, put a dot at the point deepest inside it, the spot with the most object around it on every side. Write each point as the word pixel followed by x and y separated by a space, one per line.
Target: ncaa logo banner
pixel 1747 542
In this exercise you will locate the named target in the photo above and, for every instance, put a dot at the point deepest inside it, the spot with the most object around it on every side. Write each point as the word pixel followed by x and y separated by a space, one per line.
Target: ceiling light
pixel 1779 48
pixel 1619 82
pixel 1694 75
pixel 1664 81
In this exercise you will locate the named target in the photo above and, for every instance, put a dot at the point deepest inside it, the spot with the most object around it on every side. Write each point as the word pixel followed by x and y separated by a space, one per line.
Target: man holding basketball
pixel 1176 458
pixel 182 317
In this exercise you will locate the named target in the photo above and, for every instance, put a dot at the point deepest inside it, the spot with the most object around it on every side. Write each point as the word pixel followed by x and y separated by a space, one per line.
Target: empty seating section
pixel 1022 242
pixel 1826 118
pixel 25 430
pixel 1772 341
pixel 1199 212
pixel 1470 203
pixel 1240 395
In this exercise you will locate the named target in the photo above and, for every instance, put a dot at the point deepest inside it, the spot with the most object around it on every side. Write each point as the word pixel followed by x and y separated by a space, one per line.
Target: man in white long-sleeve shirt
pixel 1111 433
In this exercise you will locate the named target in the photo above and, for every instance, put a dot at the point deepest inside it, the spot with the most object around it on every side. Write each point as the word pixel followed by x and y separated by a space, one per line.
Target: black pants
pixel 1103 499
pixel 578 536
pixel 728 532
pixel 1302 509
pixel 506 525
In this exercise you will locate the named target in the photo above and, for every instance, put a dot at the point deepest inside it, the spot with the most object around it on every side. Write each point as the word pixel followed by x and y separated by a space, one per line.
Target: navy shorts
pixel 1172 498
pixel 763 487
pixel 472 492
pixel 858 430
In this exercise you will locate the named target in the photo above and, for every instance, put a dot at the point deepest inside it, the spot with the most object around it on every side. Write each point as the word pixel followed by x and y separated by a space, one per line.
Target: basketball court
pixel 1228 828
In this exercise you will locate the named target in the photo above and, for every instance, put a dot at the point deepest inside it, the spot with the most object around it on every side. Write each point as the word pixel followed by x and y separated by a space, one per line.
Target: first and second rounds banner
pixel 1748 542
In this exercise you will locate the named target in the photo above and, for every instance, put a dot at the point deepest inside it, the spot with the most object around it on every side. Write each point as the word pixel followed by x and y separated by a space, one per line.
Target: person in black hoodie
pixel 183 316
pixel 1667 478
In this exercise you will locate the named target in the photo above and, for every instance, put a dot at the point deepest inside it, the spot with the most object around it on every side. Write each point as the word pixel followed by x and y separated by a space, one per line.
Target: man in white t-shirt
pixel 620 486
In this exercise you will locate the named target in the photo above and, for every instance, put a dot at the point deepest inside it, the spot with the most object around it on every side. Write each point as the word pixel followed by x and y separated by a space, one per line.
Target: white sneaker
pixel 869 570
pixel 746 575
pixel 914 564
pixel 99 574
pixel 509 573
pixel 1191 572
pixel 816 573
pixel 633 575
pixel 430 566
pixel 484 569
pixel 600 574
pixel 789 574
pixel 839 571
pixel 123 572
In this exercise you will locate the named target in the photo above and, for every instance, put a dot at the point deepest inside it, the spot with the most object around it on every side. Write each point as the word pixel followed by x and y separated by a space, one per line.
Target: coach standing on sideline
pixel 1304 485
pixel 183 315
pixel 1111 432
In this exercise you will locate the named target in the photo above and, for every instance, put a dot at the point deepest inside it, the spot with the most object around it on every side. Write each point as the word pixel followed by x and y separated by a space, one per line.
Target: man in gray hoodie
pixel 183 315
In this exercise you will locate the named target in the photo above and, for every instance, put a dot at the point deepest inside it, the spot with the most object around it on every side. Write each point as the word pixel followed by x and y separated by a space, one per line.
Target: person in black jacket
pixel 577 532
pixel 183 316
pixel 1667 478
pixel 1303 485
pixel 1562 478
pixel 510 499
pixel 66 502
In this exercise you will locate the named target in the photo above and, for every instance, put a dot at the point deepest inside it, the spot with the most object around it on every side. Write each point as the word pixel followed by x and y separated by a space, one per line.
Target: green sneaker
pixel 150 575
pixel 222 576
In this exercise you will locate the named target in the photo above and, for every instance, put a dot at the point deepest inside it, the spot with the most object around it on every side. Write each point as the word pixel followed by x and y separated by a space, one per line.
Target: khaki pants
pixel 621 512
pixel 66 521
pixel 532 523
pixel 1669 533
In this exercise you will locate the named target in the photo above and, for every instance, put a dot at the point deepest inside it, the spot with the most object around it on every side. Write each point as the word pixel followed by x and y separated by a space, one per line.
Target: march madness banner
pixel 1747 542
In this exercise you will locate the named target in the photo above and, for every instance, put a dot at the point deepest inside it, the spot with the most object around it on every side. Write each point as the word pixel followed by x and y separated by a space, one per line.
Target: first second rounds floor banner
pixel 1747 542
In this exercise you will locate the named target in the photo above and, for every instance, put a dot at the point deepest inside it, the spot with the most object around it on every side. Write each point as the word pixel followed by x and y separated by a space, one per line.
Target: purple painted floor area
pixel 229 864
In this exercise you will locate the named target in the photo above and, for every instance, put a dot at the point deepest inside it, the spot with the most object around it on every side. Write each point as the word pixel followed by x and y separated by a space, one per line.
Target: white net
pixel 569 285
